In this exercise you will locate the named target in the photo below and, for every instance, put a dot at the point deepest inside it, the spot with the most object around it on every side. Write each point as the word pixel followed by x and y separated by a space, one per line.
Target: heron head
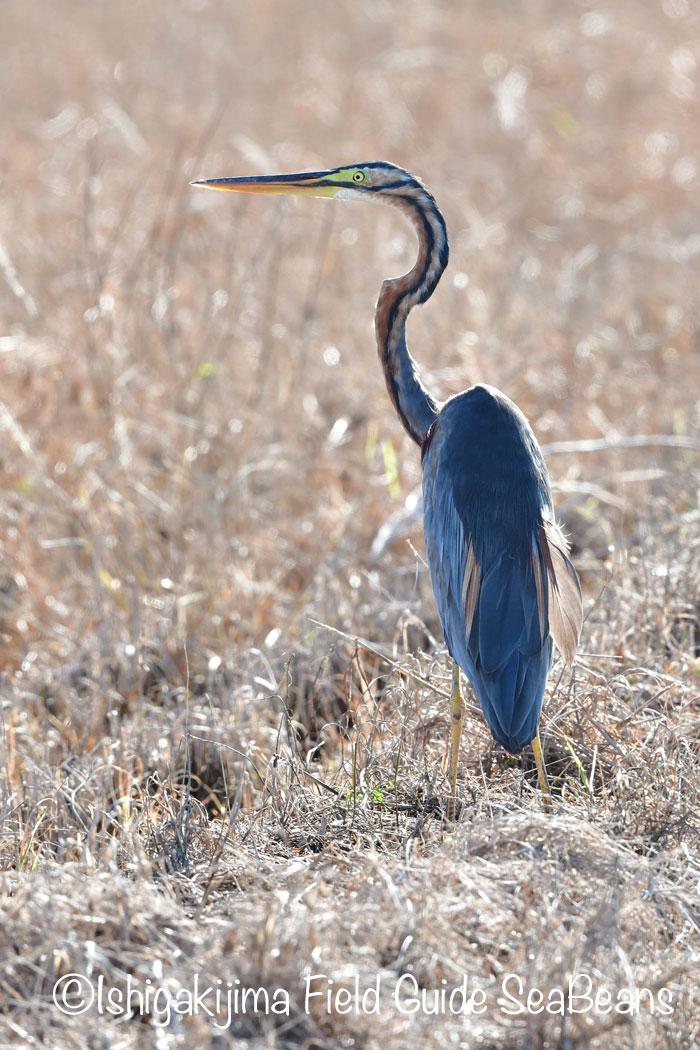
pixel 378 180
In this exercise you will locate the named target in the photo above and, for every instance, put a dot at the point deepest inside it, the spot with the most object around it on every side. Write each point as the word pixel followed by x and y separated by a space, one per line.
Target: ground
pixel 223 682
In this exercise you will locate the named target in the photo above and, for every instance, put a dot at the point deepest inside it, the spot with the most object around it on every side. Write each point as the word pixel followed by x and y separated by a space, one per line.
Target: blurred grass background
pixel 197 453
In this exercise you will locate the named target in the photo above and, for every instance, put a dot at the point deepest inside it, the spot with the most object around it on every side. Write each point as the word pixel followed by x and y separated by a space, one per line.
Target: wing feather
pixel 470 588
pixel 539 590
pixel 564 591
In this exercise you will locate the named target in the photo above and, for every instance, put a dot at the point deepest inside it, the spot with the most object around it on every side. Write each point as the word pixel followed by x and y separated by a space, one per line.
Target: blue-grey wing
pixel 503 584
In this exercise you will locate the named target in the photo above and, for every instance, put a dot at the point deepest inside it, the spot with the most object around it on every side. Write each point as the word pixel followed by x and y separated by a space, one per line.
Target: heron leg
pixel 457 716
pixel 542 773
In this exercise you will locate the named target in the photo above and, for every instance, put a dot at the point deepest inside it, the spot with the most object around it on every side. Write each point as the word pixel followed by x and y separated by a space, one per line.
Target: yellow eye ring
pixel 359 176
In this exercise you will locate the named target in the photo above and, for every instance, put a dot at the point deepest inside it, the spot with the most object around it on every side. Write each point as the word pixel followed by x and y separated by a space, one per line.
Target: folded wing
pixel 500 604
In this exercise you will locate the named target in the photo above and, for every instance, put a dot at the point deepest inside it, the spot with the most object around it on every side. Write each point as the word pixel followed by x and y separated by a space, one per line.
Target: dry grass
pixel 198 452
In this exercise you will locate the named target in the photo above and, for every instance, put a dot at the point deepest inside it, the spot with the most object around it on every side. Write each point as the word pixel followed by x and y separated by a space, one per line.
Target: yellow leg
pixel 541 773
pixel 457 714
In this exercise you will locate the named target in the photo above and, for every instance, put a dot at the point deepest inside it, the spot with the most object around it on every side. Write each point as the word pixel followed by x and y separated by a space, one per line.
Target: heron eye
pixel 359 176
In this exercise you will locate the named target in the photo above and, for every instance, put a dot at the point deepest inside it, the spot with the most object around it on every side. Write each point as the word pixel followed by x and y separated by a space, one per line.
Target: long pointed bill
pixel 310 184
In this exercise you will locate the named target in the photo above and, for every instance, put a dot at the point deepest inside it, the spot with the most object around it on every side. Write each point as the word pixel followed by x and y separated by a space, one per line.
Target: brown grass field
pixel 223 715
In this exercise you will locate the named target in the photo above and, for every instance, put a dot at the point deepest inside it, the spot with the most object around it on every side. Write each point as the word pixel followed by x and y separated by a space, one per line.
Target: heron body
pixel 489 534
pixel 503 583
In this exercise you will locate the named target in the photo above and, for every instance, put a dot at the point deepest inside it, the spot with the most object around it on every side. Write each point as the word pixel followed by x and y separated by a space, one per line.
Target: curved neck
pixel 415 406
